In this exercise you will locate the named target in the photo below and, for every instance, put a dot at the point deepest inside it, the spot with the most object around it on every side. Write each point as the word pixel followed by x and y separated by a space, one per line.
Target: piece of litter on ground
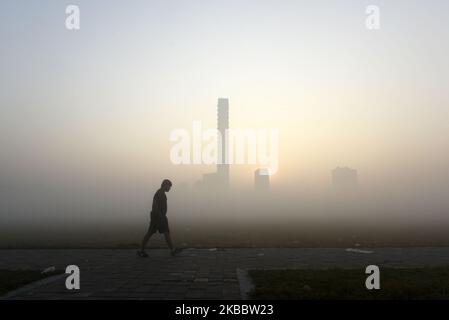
pixel 358 250
pixel 213 249
pixel 307 288
pixel 48 270
pixel 261 254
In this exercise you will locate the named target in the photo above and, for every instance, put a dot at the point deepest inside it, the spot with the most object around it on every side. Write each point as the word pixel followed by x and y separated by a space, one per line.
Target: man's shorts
pixel 159 223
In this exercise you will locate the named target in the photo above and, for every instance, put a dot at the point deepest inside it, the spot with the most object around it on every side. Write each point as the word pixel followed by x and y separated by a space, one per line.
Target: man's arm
pixel 156 204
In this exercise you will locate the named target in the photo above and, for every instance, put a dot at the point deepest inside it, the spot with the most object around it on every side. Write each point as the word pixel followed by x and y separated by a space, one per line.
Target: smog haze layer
pixel 86 118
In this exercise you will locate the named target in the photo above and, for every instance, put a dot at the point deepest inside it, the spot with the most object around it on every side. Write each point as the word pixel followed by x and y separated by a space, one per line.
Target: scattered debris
pixel 213 249
pixel 48 270
pixel 358 250
pixel 306 288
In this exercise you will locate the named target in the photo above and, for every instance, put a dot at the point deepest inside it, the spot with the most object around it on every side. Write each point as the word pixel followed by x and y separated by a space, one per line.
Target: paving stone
pixel 195 273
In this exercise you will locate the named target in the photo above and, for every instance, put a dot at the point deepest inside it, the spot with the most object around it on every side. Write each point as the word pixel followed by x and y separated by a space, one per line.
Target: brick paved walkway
pixel 195 273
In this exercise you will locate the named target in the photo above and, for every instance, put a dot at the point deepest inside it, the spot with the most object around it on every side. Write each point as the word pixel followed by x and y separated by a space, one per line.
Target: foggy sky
pixel 85 116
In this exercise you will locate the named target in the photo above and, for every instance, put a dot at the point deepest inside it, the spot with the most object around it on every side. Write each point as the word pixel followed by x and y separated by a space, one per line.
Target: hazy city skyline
pixel 86 115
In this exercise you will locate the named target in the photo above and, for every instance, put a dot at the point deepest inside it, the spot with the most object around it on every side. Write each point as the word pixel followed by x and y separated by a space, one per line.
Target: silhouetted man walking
pixel 159 221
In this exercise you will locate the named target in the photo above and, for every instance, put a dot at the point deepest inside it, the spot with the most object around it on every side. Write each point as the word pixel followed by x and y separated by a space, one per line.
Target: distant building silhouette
pixel 344 178
pixel 261 180
pixel 220 178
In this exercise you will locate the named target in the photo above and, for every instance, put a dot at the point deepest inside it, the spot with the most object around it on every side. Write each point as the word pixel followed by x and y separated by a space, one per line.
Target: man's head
pixel 166 185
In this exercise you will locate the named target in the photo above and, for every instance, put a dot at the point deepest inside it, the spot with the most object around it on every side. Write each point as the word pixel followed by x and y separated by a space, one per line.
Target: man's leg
pixel 168 239
pixel 145 240
pixel 174 251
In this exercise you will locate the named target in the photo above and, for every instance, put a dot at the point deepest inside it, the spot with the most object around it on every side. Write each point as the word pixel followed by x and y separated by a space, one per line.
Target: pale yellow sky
pixel 104 100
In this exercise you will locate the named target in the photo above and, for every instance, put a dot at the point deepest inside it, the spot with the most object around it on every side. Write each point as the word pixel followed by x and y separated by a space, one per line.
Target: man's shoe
pixel 142 254
pixel 175 251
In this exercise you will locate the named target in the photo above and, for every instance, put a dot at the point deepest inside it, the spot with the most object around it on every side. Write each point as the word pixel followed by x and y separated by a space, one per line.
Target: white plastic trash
pixel 48 270
pixel 358 251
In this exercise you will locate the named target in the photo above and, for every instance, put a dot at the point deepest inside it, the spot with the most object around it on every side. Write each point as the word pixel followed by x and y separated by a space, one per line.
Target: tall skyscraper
pixel 220 178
